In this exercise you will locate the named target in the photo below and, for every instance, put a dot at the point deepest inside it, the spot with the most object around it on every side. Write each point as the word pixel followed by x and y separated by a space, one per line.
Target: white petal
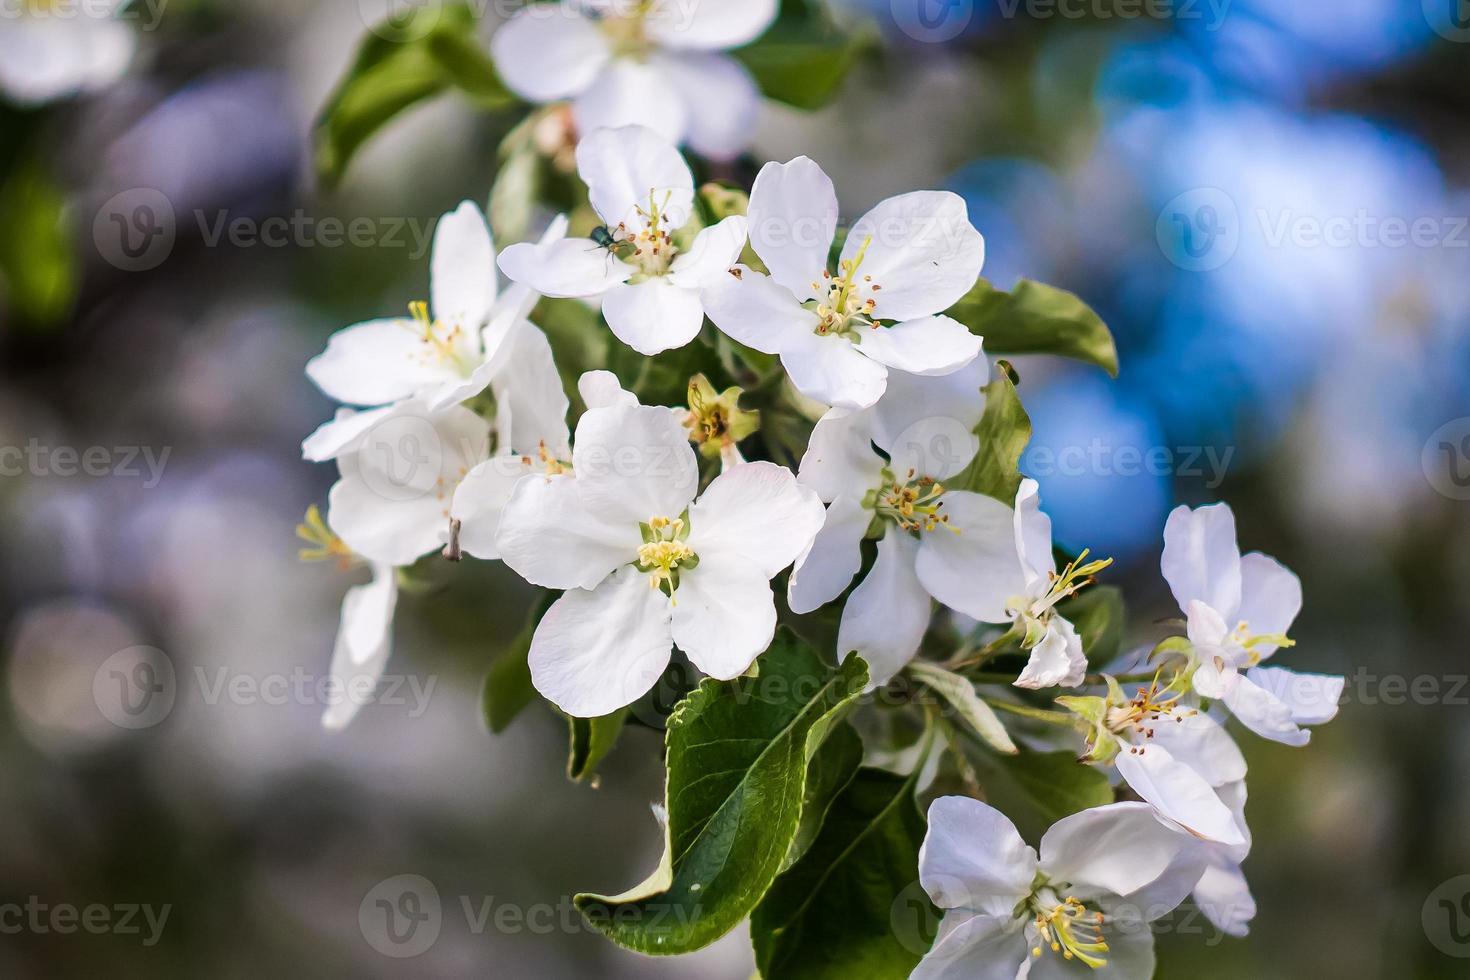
pixel 832 371
pixel 344 434
pixel 364 644
pixel 839 459
pixel 529 393
pixel 1116 850
pixel 595 652
pixel 1179 793
pixel 481 498
pixel 834 556
pixel 933 345
pixel 758 512
pixel 714 252
pixel 462 270
pixel 654 316
pixel 938 414
pixel 1270 597
pixel 1057 661
pixel 1264 713
pixel 709 25
pixel 793 218
pixel 601 389
pixel 756 311
pixel 550 539
pixel 921 249
pixel 385 529
pixel 634 463
pixel 48 57
pixel 1033 537
pixel 1314 699
pixel 455 390
pixel 886 615
pixel 1224 896
pixel 722 102
pixel 974 858
pixel 631 168
pixel 376 363
pixel 724 615
pixel 575 268
pixel 1201 559
pixel 974 947
pixel 545 53
pixel 1217 673
pixel 1202 744
pixel 975 571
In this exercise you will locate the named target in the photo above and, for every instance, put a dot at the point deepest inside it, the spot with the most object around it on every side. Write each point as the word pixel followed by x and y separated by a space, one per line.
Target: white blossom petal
pixel 1033 537
pixel 974 571
pixel 570 268
pixel 923 251
pixel 714 252
pixel 481 498
pixel 793 219
pixel 724 614
pixel 833 371
pixel 1224 896
pixel 1057 661
pixel 1202 744
pixel 758 512
pixel 1201 559
pixel 531 404
pixel 364 644
pixel 932 345
pixel 1130 956
pixel 1179 793
pixel 344 434
pixel 378 362
pixel 546 53
pixel 974 858
pixel 43 58
pixel 974 947
pixel 634 463
pixel 1117 850
pixel 597 651
pixel 887 614
pixel 709 25
pixel 462 270
pixel 722 102
pixel 601 389
pixel 1270 598
pixel 549 538
pixel 834 556
pixel 653 316
pixel 756 311
pixel 839 459
pixel 936 414
pixel 628 168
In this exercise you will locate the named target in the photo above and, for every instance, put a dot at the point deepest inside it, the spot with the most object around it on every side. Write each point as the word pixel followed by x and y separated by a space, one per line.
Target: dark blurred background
pixel 1269 204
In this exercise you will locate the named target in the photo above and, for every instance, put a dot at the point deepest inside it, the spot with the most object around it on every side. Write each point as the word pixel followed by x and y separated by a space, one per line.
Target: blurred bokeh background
pixel 1269 204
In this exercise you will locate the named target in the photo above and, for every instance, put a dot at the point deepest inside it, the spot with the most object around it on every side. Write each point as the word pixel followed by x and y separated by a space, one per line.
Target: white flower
pixel 450 349
pixel 392 504
pixel 649 282
pixel 952 545
pixel 1239 610
pixel 656 64
pixel 1080 908
pixel 52 50
pixel 364 643
pixel 644 564
pixel 1223 894
pixel 1057 658
pixel 907 260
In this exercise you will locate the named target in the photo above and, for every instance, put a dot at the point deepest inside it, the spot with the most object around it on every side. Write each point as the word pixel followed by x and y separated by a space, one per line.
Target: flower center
pixel 848 303
pixel 1243 642
pixel 1070 928
pixel 1037 612
pixel 651 249
pixel 627 32
pixel 1149 706
pixel 442 343
pixel 664 552
pixel 913 503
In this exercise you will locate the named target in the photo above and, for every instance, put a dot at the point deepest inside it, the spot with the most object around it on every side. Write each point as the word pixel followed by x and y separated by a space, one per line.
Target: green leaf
pixel 831 769
pixel 403 61
pixel 38 271
pixel 1035 318
pixel 802 60
pixel 960 695
pixel 592 739
pixel 832 916
pixel 1004 431
pixel 1036 789
pixel 508 687
pixel 737 756
pixel 1098 614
